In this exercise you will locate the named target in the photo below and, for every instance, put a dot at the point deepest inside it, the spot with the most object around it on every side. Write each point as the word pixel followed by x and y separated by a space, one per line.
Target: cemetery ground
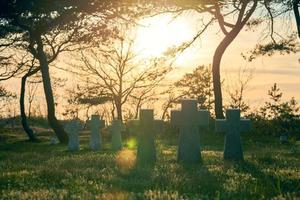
pixel 43 171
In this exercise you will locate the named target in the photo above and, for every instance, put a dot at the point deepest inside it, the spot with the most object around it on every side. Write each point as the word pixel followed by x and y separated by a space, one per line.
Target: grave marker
pixel 189 120
pixel 95 125
pixel 232 126
pixel 116 138
pixel 72 129
pixel 146 153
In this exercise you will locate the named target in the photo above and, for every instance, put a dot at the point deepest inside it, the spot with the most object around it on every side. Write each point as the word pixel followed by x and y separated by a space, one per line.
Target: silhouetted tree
pixel 232 17
pixel 30 133
pixel 47 28
pixel 83 97
pixel 5 98
pixel 117 71
pixel 196 85
pixel 237 89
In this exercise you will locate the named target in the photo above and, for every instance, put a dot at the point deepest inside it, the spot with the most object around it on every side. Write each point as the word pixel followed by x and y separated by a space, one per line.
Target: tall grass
pixel 44 171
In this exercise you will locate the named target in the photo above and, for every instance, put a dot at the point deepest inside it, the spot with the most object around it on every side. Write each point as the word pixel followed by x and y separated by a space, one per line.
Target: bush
pixel 277 117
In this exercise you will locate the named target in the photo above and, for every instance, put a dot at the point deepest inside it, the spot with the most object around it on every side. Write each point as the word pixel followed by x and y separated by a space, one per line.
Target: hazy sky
pixel 159 33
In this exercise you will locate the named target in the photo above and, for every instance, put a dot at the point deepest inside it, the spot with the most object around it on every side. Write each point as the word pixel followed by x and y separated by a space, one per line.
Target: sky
pixel 159 33
pixel 155 35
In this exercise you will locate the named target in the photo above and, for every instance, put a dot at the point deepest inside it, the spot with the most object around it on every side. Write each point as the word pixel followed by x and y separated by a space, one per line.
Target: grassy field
pixel 44 171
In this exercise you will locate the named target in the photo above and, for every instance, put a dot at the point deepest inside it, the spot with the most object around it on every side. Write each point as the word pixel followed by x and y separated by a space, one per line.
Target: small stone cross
pixel 95 126
pixel 146 153
pixel 116 138
pixel 232 126
pixel 72 129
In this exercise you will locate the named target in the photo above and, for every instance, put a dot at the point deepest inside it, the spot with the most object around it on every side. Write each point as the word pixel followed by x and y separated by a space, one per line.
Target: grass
pixel 44 171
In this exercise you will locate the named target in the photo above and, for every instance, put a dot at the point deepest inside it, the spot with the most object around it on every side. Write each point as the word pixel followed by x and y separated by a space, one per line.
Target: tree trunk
pixel 24 121
pixel 217 81
pixel 165 110
pixel 297 15
pixel 119 111
pixel 137 108
pixel 216 69
pixel 54 123
pixel 227 40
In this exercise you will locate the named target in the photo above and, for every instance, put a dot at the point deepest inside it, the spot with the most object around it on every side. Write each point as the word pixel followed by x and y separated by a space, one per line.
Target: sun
pixel 156 34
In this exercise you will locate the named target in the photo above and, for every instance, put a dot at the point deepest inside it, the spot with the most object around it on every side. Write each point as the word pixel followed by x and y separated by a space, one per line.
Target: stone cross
pixel 72 129
pixel 116 138
pixel 232 126
pixel 189 120
pixel 146 153
pixel 95 126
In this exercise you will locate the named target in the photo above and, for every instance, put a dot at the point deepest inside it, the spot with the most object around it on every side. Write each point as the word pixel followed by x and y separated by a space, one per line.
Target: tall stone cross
pixel 95 126
pixel 116 138
pixel 189 120
pixel 72 128
pixel 146 153
pixel 232 126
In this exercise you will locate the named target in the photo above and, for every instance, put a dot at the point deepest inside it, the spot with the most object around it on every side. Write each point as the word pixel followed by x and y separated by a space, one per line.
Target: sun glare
pixel 125 160
pixel 157 34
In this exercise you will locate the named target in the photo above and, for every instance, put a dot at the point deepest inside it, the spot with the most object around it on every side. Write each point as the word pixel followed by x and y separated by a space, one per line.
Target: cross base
pixel 233 148
pixel 189 145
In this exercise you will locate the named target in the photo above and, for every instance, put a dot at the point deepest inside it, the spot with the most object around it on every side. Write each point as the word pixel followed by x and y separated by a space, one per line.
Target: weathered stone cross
pixel 232 126
pixel 95 125
pixel 146 153
pixel 116 138
pixel 188 120
pixel 72 129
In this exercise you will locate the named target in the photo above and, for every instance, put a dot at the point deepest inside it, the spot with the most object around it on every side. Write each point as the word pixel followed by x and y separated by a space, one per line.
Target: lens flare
pixel 131 143
pixel 125 160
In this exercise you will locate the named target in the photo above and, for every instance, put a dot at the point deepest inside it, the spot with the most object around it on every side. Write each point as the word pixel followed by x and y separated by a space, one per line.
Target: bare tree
pixel 32 91
pixel 32 70
pixel 296 5
pixel 47 29
pixel 172 100
pixel 140 97
pixel 116 70
pixel 236 90
pixel 5 98
pixel 82 98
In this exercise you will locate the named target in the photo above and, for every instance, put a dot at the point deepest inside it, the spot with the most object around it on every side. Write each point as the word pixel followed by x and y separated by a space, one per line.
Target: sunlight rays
pixel 159 33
